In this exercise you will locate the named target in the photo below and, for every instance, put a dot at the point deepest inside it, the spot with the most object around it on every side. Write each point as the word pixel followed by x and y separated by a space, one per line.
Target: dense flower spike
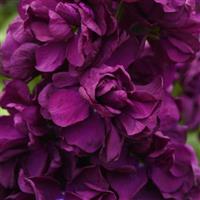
pixel 88 95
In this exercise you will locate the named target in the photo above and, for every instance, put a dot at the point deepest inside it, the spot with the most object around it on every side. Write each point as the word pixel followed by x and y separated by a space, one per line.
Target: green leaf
pixel 4 112
pixel 177 89
pixel 34 82
pixel 194 140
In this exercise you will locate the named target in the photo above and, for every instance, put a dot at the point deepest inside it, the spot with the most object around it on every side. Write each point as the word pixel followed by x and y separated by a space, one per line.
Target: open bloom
pixel 71 31
pixel 112 93
pixel 18 52
pixel 171 29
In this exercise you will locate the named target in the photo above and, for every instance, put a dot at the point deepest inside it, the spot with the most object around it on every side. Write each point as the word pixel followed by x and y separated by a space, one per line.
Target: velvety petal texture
pixel 100 100
pixel 72 108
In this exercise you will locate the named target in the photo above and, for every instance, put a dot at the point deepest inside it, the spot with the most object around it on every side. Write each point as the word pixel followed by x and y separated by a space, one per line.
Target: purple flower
pixel 110 86
pixel 18 52
pixel 82 129
pixel 177 179
pixel 15 96
pixel 158 160
pixel 172 34
pixel 156 67
pixel 17 99
pixel 101 123
pixel 112 94
pixel 87 35
pixel 69 31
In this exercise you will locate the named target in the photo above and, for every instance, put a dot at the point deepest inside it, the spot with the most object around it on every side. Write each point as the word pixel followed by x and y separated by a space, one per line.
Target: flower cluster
pixel 88 95
pixel 188 78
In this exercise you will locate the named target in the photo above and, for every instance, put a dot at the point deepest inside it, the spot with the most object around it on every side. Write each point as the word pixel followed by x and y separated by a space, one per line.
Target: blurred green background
pixel 8 11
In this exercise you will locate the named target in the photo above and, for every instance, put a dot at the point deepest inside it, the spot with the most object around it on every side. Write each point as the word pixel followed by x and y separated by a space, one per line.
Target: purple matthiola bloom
pixel 18 51
pixel 18 101
pixel 84 129
pixel 24 133
pixel 156 67
pixel 87 34
pixel 112 94
pixel 175 180
pixel 172 174
pixel 67 30
pixel 101 123
pixel 172 32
